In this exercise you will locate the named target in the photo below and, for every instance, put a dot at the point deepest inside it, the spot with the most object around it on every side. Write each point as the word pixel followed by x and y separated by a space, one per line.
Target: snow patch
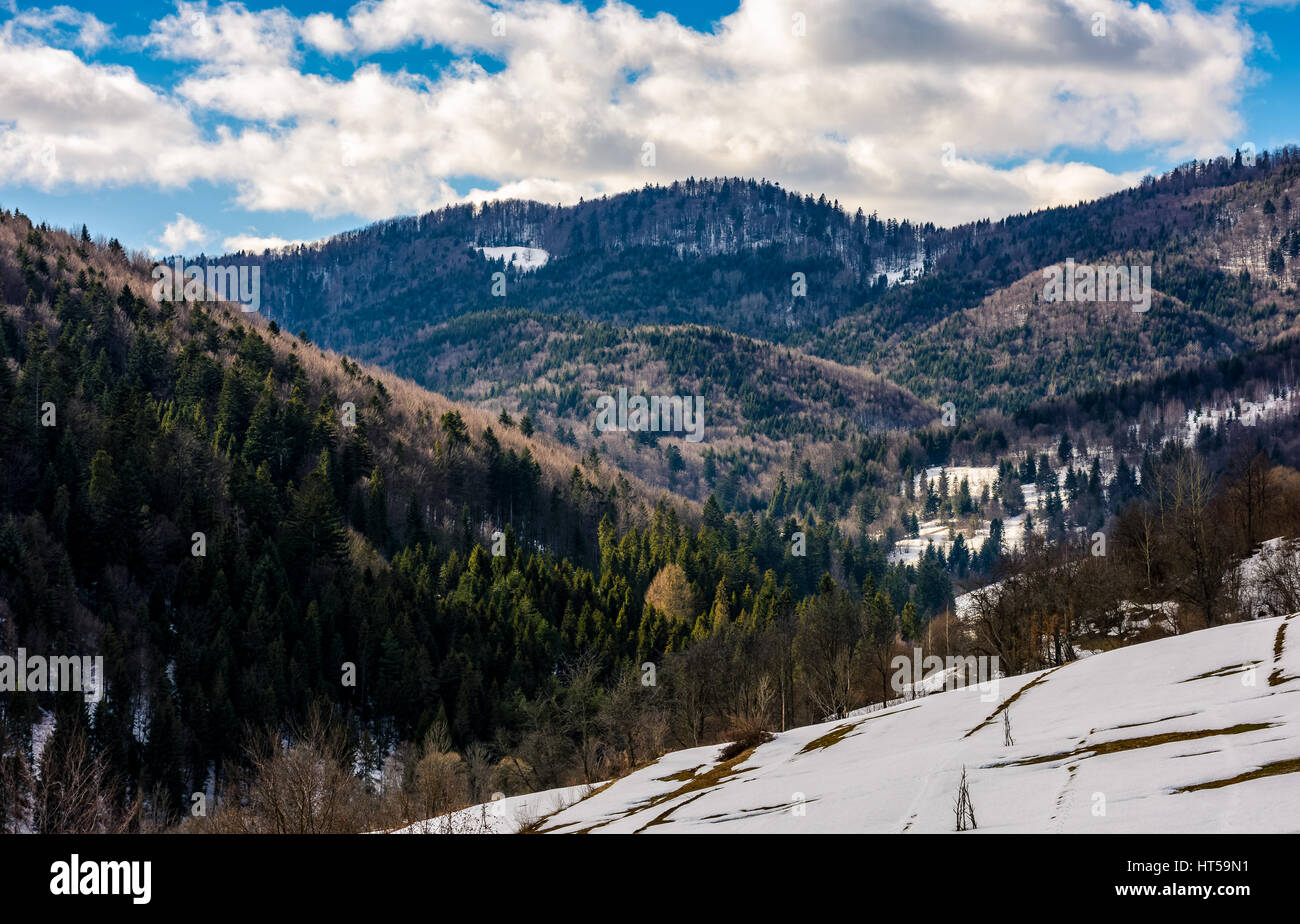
pixel 524 259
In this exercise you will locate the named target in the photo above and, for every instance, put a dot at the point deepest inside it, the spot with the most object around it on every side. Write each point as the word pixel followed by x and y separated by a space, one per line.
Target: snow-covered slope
pixel 1195 733
pixel 503 816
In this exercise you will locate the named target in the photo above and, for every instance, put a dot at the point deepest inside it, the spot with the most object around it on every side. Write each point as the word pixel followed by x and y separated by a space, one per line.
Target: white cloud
pixel 63 121
pixel 181 233
pixel 84 30
pixel 253 243
pixel 859 107
pixel 326 34
pixel 224 35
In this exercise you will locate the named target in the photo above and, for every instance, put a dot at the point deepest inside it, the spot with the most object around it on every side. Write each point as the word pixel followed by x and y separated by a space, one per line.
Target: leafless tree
pixel 963 807
pixel 299 783
pixel 1196 522
pixel 74 793
pixel 828 636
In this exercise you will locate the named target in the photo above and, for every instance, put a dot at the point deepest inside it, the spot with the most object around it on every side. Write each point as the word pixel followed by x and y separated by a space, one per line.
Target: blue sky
pixel 203 126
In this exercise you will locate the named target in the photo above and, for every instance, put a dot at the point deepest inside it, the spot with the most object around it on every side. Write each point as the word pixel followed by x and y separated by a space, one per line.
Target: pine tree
pixel 313 527
pixel 262 442
pixel 1064 450
pixel 910 624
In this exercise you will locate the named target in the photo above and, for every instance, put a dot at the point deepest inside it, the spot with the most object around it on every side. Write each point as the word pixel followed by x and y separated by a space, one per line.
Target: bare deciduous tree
pixel 963 807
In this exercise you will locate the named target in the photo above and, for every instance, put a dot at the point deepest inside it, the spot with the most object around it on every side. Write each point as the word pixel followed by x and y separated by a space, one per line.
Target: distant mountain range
pixel 835 323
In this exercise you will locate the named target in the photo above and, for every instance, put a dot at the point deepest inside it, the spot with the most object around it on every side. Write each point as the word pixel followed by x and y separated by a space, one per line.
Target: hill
pixel 640 289
pixel 762 403
pixel 718 252
pixel 248 527
pixel 1221 240
pixel 1186 734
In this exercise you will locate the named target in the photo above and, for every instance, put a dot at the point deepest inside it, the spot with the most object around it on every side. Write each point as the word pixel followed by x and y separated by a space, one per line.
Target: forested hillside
pixel 712 252
pixel 951 315
pixel 763 405
pixel 185 493
pixel 1221 238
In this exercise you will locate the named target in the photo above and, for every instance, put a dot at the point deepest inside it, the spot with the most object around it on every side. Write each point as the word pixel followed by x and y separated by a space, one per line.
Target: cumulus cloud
pixel 224 35
pixel 59 25
pixel 326 34
pixel 64 121
pixel 254 243
pixel 931 109
pixel 181 233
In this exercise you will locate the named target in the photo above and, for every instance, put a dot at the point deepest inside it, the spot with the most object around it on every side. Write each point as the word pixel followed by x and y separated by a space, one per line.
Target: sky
pixel 210 127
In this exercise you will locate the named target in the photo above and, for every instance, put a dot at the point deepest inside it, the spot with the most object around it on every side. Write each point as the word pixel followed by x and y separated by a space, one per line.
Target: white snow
pixel 1249 413
pixel 1269 580
pixel 1107 744
pixel 903 272
pixel 41 732
pixel 502 816
pixel 908 551
pixel 963 605
pixel 521 258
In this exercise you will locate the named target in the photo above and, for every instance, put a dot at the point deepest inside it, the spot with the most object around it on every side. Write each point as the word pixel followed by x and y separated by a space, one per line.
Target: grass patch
pixel 662 817
pixel 1276 768
pixel 1181 715
pixel 1011 699
pixel 834 736
pixel 1277 678
pixel 838 733
pixel 1223 671
pixel 747 742
pixel 681 776
pixel 691 782
pixel 715 776
pixel 750 812
pixel 1133 744
pixel 536 827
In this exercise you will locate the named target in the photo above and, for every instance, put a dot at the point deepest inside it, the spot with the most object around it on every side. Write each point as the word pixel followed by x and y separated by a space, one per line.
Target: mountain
pixel 763 405
pixel 710 252
pixel 255 533
pixel 665 290
pixel 1190 734
pixel 635 285
pixel 236 519
pixel 1221 239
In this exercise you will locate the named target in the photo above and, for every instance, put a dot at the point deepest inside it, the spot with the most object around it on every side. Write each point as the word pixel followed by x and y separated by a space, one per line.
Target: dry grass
pixel 1223 671
pixel 839 732
pixel 834 736
pixel 1133 744
pixel 1011 699
pixel 1276 768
